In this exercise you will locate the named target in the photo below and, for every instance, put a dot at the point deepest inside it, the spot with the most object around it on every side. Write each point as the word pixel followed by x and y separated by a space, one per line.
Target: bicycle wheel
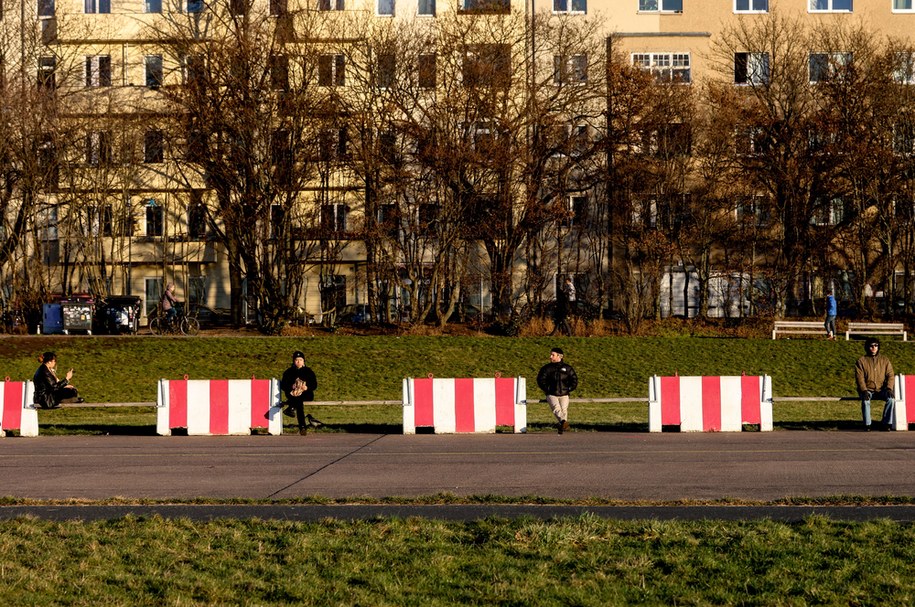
pixel 155 326
pixel 190 326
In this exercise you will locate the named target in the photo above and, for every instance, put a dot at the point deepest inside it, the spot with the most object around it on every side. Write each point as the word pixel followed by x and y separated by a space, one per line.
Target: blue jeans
pixel 830 325
pixel 887 408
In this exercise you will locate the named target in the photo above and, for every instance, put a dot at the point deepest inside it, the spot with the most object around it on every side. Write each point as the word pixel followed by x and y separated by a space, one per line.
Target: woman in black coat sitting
pixel 50 391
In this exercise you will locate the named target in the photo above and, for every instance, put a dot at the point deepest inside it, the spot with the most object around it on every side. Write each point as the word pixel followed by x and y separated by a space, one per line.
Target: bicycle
pixel 177 324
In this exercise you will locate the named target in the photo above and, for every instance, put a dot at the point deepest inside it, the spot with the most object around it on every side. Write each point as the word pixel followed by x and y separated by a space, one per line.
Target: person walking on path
pixel 299 384
pixel 557 379
pixel 874 378
pixel 831 311
pixel 50 392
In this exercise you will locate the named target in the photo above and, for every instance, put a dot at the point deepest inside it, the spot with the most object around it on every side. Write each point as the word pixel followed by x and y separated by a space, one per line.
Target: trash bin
pixel 77 315
pixel 120 314
pixel 52 320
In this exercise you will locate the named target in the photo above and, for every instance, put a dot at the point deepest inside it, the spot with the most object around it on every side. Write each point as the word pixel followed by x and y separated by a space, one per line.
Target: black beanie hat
pixel 298 354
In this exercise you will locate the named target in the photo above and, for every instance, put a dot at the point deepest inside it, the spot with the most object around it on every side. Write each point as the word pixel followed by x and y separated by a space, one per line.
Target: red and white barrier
pixel 18 412
pixel 219 406
pixel 903 415
pixel 710 404
pixel 450 405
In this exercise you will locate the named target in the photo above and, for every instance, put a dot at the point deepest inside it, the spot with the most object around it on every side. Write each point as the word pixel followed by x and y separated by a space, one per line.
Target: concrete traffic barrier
pixel 18 412
pixel 710 403
pixel 452 405
pixel 903 415
pixel 219 406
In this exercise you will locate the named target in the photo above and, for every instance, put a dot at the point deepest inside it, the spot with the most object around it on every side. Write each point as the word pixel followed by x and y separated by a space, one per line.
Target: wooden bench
pixel 798 326
pixel 876 328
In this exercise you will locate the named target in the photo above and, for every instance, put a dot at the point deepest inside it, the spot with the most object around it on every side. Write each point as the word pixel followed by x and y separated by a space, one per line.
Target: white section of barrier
pixel 453 405
pixel 710 403
pixel 16 409
pixel 219 407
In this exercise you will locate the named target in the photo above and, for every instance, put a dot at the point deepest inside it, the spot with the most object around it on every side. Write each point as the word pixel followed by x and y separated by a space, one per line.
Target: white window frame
pixel 833 215
pixel 811 6
pixel 903 140
pixel 331 5
pixel 665 65
pixel 645 6
pixel 425 8
pixel 904 73
pixel 896 9
pixel 570 7
pixel 337 69
pixel 758 69
pixel 340 217
pixel 572 219
pixel 150 69
pixel 157 209
pixel 93 71
pixel 750 9
pixel 97 7
pixel 755 207
pixel 389 6
pixel 570 70
pixel 833 59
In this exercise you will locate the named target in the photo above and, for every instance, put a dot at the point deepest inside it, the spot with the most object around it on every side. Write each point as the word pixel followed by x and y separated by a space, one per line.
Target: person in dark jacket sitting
pixel 299 384
pixel 557 379
pixel 50 391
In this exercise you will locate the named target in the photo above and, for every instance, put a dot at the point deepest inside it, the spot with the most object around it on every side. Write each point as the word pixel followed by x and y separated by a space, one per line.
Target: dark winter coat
pixel 557 379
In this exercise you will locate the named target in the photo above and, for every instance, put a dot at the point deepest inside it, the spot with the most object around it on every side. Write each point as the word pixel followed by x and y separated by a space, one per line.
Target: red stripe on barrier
pixel 422 402
pixel 463 405
pixel 177 403
pixel 219 406
pixel 751 399
pixel 670 400
pixel 711 403
pixel 260 403
pixel 505 401
pixel 12 405
pixel 909 398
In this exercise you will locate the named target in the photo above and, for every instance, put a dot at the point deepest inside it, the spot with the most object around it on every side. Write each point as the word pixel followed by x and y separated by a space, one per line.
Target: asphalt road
pixel 630 467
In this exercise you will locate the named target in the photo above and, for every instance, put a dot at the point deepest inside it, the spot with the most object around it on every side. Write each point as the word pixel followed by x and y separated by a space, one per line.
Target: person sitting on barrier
pixel 874 378
pixel 50 392
pixel 557 379
pixel 299 384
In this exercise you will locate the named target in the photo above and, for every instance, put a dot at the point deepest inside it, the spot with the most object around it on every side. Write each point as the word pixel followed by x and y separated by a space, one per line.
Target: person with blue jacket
pixel 831 311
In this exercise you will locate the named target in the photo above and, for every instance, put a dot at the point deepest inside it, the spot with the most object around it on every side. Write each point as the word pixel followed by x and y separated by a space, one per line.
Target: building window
pixel 575 211
pixel 196 218
pixel 426 71
pixel 751 141
pixel 277 221
pixel 333 218
pixel 278 8
pixel 238 8
pixel 98 71
pixel 666 67
pixel 330 5
pixel 153 293
pixel 831 6
pixel 331 70
pixel 428 215
pixel 904 139
pixel 386 70
pixel 98 148
pixel 47 68
pixel 753 211
pixel 45 8
pixel 751 68
pixel 153 151
pixel 153 6
pixel 660 6
pixel 487 6
pixel 751 6
pixel 828 212
pixel 194 6
pixel 98 221
pixel 153 71
pixel 279 72
pixel 570 70
pixel 333 144
pixel 333 292
pixel 155 219
pixel 904 72
pixel 487 65
pixel 827 66
pixel 902 6
pixel 674 139
pixel 385 8
pixel 97 6
pixel 570 6
pixel 425 8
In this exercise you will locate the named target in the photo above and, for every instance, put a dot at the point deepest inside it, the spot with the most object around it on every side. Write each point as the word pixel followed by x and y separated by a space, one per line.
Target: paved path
pixel 620 466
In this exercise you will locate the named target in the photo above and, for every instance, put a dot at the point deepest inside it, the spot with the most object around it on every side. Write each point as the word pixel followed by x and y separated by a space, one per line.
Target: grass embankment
pixel 371 368
pixel 581 561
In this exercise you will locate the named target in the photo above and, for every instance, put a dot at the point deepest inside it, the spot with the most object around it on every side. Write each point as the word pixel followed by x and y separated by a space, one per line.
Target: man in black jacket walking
pixel 557 379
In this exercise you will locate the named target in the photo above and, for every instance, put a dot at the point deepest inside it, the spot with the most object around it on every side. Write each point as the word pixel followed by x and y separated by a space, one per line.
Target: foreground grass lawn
pixel 581 561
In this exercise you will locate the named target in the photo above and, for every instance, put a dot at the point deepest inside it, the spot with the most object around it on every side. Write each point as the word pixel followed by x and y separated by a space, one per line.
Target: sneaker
pixel 313 422
pixel 290 411
pixel 565 425
pixel 80 399
pixel 561 427
pixel 303 431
